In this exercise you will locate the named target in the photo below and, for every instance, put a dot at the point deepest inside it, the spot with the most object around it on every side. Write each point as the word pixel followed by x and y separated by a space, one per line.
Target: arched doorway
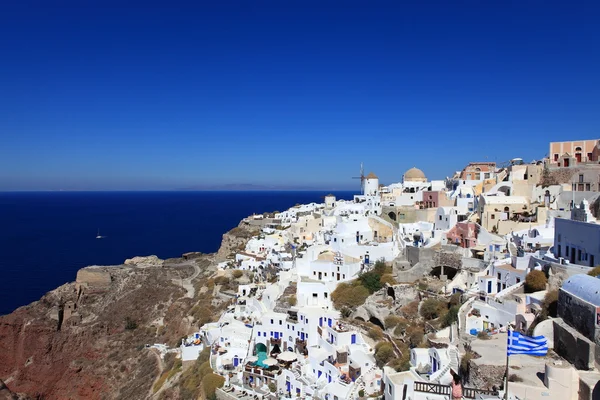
pixel 392 215
pixel 376 321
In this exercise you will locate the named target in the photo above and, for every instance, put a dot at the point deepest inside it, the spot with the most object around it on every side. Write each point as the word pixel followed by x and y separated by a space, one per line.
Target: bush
pixel 455 299
pixel 292 301
pixel 387 279
pixel 221 280
pixel 550 304
pixel 391 321
pixel 451 316
pixel 210 383
pixel 237 274
pixel 375 333
pixel 432 308
pixel 384 352
pixel 371 281
pixel 346 312
pixel 272 387
pixel 130 324
pixel 415 335
pixel 594 271
pixel 514 378
pixel 361 393
pixel 401 327
pixel 535 281
pixel 349 295
pixel 411 310
pixel 483 335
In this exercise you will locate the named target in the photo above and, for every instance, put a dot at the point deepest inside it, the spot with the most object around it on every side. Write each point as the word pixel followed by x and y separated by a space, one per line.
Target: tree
pixel 535 281
pixel 594 271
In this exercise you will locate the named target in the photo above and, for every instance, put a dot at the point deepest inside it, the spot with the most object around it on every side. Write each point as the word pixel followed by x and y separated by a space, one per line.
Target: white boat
pixel 98 235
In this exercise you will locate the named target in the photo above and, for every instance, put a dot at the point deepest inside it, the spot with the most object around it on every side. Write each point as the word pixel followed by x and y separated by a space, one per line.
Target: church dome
pixel 414 175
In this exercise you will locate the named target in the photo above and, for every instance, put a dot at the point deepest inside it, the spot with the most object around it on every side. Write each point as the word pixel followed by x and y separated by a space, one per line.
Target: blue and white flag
pixel 521 344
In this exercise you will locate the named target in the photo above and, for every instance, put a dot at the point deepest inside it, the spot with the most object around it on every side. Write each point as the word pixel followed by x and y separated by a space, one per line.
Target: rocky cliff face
pixel 235 240
pixel 87 339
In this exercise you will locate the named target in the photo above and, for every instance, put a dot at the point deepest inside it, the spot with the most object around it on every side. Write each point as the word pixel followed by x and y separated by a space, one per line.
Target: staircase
pixel 454 358
pixel 439 374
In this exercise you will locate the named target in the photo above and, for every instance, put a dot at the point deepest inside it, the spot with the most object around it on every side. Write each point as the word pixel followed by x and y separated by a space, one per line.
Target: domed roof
pixel 415 175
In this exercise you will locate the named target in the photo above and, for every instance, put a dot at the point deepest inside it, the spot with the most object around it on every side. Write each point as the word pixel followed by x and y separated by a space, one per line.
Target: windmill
pixel 361 177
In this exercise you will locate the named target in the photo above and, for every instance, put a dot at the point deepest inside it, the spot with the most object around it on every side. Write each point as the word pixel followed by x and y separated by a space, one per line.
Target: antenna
pixel 361 177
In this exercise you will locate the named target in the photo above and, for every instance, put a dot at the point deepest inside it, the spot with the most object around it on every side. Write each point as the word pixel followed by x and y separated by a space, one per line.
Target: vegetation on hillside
pixel 354 293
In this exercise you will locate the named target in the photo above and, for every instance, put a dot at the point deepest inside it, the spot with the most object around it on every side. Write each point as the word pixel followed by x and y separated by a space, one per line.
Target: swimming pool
pixel 261 356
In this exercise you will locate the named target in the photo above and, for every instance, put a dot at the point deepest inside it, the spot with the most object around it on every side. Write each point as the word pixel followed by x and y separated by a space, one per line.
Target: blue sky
pixel 163 96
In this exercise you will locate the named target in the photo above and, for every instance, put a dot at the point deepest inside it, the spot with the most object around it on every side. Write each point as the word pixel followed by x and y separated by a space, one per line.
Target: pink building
pixel 434 199
pixel 568 154
pixel 463 234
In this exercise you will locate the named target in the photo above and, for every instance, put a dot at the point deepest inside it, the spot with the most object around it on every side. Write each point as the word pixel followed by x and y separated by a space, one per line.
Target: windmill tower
pixel 362 178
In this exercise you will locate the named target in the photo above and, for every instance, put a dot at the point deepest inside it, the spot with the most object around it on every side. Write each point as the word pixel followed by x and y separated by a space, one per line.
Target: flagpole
pixel 506 371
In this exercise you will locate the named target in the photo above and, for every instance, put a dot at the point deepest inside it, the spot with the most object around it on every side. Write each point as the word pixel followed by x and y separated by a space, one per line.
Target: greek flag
pixel 521 344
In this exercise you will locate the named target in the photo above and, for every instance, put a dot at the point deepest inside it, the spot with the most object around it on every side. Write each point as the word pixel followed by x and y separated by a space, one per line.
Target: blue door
pixel 236 361
pixel 301 335
pixel 353 338
pixel 329 322
pixel 321 321
pixel 276 335
pixel 287 387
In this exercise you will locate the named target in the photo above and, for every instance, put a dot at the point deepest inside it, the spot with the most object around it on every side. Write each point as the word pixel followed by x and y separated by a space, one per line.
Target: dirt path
pixel 160 371
pixel 186 283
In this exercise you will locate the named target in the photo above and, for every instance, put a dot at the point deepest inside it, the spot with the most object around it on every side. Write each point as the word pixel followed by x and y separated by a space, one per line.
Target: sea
pixel 45 237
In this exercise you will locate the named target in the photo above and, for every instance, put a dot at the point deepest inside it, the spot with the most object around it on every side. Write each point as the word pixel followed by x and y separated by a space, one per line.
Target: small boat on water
pixel 98 236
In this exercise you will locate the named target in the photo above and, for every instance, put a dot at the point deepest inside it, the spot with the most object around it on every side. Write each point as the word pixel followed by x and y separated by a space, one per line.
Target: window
pixel 440 217
pixel 581 178
pixel 325 294
pixel 271 321
pixel 315 295
pixel 280 322
pixel 555 156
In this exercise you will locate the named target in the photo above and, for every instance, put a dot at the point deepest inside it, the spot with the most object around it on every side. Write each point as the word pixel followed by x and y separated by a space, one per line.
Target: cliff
pixel 88 339
pixel 235 240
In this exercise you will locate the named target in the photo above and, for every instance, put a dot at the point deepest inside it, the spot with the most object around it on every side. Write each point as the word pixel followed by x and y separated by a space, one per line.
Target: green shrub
pixel 371 280
pixel 361 393
pixel 411 310
pixel 130 324
pixel 535 281
pixel 272 387
pixel 451 316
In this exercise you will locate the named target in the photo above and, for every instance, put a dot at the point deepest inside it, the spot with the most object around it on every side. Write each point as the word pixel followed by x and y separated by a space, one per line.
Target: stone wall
pixel 574 347
pixel 579 314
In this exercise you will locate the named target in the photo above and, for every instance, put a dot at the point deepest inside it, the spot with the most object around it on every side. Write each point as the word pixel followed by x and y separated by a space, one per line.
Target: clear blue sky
pixel 166 96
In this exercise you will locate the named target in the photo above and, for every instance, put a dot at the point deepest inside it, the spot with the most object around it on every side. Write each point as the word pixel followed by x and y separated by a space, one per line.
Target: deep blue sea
pixel 45 237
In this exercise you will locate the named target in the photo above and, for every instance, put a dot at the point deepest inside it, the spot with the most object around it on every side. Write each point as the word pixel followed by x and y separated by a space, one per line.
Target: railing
pixel 434 388
pixel 470 393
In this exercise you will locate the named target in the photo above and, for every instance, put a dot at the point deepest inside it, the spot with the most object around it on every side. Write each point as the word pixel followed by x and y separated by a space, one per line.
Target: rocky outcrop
pixel 384 302
pixel 145 262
